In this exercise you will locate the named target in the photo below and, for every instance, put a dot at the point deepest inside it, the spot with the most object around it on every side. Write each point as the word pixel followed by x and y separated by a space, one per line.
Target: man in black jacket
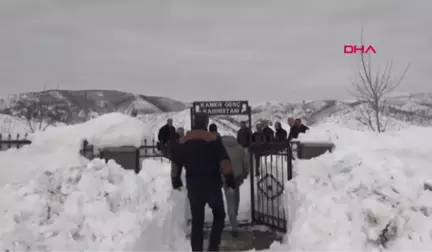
pixel 257 137
pixel 302 128
pixel 213 128
pixel 166 137
pixel 296 128
pixel 268 132
pixel 280 134
pixel 244 135
pixel 167 133
pixel 204 158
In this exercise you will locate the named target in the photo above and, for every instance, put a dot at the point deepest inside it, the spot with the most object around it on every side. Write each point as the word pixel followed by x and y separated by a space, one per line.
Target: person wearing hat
pixel 204 157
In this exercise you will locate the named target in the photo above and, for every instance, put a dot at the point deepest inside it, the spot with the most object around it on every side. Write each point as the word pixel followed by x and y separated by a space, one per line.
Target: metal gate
pixel 271 169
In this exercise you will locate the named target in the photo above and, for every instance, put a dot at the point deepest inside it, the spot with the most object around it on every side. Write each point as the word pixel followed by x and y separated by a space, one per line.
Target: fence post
pixel 137 161
pixel 252 162
pixel 290 164
pixel 9 141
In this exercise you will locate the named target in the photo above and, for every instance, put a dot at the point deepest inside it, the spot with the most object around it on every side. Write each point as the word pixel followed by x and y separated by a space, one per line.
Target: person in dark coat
pixel 166 138
pixel 204 158
pixel 302 128
pixel 244 135
pixel 167 133
pixel 268 132
pixel 280 134
pixel 296 128
pixel 258 137
pixel 213 128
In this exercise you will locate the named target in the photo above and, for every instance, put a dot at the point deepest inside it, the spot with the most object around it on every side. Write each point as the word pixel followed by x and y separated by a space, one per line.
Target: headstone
pixel 126 156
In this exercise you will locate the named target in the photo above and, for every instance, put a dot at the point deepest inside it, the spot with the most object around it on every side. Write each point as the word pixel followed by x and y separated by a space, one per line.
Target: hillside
pixel 96 102
pixel 404 111
pixel 414 109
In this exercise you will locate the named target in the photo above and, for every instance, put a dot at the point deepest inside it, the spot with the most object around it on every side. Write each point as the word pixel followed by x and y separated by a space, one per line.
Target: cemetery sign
pixel 221 107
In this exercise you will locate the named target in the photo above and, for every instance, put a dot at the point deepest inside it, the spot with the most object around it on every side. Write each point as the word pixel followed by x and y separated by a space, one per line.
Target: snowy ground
pixel 344 200
pixel 52 199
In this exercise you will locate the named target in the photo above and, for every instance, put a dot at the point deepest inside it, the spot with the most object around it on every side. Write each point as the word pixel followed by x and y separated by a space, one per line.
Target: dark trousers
pixel 166 150
pixel 198 198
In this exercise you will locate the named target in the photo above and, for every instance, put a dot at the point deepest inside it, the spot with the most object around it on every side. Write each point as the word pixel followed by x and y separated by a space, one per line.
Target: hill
pixel 94 102
pixel 413 109
pixel 404 110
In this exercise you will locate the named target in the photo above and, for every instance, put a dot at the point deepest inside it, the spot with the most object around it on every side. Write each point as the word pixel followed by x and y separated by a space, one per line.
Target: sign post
pixel 221 107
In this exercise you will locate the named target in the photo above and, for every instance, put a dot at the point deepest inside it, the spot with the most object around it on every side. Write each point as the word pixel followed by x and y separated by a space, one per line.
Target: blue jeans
pixel 232 197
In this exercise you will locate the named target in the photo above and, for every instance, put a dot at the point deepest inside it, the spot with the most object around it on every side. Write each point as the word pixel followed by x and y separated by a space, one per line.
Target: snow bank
pixel 58 147
pixel 54 199
pixel 168 228
pixel 95 206
pixel 368 194
pixel 113 129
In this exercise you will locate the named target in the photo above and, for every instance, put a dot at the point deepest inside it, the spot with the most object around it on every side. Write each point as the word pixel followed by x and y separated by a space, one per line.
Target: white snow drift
pixel 368 194
pixel 58 147
pixel 57 200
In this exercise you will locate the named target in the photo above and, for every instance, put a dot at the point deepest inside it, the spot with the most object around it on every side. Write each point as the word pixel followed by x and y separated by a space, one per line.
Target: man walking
pixel 166 138
pixel 240 164
pixel 204 158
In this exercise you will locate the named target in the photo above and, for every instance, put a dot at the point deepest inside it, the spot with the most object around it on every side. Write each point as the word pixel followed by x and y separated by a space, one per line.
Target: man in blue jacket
pixel 204 158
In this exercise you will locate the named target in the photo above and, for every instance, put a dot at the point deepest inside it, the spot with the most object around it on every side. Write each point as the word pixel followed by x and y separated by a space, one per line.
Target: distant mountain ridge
pixel 94 102
pixel 411 109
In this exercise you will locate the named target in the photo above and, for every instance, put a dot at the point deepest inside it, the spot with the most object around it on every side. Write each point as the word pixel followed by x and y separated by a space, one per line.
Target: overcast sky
pixel 195 50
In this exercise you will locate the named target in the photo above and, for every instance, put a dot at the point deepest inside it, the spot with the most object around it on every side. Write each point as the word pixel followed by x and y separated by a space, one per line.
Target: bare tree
pixel 371 91
pixel 39 115
pixel 6 127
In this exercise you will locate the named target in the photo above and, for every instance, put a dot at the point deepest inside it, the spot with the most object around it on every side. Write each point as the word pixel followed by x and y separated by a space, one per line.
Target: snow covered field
pixel 53 199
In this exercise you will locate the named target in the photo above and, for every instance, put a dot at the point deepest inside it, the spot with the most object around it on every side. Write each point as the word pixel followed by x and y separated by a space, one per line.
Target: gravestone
pixel 126 156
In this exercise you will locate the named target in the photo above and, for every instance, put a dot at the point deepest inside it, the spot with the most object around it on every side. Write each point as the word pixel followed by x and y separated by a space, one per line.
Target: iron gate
pixel 271 169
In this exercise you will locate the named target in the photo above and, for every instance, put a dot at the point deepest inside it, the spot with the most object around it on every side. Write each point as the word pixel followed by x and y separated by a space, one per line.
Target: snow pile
pixel 112 129
pixel 54 199
pixel 168 228
pixel 368 194
pixel 59 147
pixel 96 206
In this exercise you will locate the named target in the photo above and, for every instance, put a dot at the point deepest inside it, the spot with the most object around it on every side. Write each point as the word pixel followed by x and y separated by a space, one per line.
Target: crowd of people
pixel 213 161
pixel 168 134
pixel 263 132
